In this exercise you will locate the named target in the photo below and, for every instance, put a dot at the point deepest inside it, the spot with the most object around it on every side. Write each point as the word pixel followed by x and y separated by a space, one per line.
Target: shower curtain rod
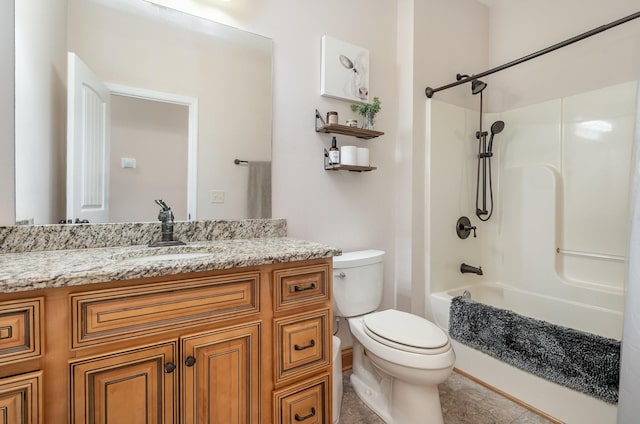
pixel 431 91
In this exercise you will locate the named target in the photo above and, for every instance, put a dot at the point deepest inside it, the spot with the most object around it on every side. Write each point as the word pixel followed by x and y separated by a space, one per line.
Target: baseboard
pixel 347 359
pixel 508 396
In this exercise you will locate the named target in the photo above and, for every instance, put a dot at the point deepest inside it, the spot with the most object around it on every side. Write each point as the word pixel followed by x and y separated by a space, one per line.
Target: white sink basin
pixel 168 257
pixel 173 253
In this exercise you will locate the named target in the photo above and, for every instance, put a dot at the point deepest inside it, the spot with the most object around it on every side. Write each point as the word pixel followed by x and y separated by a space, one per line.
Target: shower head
pixel 476 85
pixel 496 128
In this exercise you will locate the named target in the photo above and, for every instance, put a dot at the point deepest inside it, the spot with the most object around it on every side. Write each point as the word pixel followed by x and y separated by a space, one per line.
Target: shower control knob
pixel 464 228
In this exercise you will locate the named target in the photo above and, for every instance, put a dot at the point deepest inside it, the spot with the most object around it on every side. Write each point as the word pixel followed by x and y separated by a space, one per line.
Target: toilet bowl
pixel 400 381
pixel 398 358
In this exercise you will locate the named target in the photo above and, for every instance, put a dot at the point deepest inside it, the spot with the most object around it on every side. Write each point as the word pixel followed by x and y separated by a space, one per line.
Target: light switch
pixel 128 162
pixel 217 196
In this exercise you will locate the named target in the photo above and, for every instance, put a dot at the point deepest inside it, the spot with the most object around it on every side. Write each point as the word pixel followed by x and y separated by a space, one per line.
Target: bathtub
pixel 549 398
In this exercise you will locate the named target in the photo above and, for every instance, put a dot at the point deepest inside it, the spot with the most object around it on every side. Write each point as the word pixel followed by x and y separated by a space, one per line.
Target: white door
pixel 87 144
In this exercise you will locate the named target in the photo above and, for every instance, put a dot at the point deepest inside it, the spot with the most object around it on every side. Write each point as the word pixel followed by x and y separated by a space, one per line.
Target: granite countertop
pixel 61 268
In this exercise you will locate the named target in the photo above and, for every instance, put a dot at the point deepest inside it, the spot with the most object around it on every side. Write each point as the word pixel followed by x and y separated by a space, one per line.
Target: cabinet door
pixel 221 375
pixel 21 399
pixel 137 386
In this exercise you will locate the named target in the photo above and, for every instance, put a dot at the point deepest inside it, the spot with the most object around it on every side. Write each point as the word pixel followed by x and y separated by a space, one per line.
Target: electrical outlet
pixel 217 196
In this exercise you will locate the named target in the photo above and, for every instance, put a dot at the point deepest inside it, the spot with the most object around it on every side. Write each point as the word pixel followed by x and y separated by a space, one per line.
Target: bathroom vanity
pixel 225 331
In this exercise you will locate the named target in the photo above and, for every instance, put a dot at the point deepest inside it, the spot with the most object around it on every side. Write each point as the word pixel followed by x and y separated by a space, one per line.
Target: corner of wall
pixel 7 102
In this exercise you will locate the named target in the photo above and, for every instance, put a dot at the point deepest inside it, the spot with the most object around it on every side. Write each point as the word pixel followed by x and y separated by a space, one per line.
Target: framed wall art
pixel 344 70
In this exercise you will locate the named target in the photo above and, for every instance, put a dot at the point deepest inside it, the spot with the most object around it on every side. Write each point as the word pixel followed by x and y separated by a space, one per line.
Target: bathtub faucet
pixel 464 268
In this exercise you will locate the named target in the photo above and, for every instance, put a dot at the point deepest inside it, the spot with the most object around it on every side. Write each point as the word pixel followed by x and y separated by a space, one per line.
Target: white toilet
pixel 398 358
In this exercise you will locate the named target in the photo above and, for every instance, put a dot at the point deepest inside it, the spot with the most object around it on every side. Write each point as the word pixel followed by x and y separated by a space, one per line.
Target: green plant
pixel 367 108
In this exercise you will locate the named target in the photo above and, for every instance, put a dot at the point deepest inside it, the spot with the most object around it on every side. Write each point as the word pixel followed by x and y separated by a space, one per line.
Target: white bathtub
pixel 557 401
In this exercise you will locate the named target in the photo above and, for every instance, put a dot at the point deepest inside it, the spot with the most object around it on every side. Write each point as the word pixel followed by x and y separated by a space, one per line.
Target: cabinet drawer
pixel 302 344
pixel 101 316
pixel 21 399
pixel 305 403
pixel 21 330
pixel 302 286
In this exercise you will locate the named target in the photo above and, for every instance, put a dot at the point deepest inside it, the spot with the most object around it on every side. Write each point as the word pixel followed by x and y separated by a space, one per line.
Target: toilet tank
pixel 357 282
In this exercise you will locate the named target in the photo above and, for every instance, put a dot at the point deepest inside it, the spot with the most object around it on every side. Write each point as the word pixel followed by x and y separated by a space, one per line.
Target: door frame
pixel 192 132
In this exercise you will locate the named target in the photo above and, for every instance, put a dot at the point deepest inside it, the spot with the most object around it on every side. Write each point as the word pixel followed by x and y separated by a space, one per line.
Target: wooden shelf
pixel 352 131
pixel 352 168
pixel 345 129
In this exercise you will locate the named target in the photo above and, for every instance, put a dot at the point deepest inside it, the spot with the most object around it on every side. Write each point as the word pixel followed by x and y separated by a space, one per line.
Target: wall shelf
pixel 344 129
pixel 323 127
pixel 352 168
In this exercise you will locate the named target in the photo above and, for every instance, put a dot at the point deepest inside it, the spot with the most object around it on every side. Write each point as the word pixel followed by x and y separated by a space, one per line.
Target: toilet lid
pixel 404 329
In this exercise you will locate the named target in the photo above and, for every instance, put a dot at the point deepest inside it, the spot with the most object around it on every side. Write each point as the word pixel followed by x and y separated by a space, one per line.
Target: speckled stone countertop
pixel 47 256
pixel 59 268
pixel 32 238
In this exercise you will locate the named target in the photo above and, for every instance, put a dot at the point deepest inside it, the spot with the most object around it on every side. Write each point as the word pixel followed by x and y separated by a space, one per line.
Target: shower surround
pixel 560 229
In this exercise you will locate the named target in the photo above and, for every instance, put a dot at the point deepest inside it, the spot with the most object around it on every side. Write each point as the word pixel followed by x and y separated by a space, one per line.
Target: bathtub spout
pixel 464 268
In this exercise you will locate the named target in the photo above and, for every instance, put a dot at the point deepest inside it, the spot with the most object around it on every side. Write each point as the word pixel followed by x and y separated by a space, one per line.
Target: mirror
pixel 146 54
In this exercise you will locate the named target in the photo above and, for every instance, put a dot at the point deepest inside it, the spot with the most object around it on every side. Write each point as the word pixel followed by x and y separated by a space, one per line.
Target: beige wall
pixel 155 135
pixel 404 169
pixel 7 128
pixel 349 210
pixel 451 37
pixel 520 27
pixel 40 84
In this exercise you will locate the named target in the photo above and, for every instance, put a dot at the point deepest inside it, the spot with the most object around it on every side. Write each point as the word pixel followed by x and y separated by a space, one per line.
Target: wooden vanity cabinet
pixel 219 347
pixel 208 372
pixel 21 348
pixel 216 376
pixel 302 328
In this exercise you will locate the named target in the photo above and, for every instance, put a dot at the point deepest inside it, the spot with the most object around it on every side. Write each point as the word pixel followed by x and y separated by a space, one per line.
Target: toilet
pixel 398 358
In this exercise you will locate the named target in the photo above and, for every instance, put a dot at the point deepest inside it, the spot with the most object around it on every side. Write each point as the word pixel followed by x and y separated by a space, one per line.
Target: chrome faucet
pixel 464 268
pixel 166 218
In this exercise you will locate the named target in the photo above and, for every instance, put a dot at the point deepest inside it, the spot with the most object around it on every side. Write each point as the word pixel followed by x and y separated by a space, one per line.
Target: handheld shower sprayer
pixel 496 128
pixel 485 153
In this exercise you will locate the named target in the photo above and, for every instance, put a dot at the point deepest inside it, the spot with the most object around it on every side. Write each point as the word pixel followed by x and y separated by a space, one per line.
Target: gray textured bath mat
pixel 581 361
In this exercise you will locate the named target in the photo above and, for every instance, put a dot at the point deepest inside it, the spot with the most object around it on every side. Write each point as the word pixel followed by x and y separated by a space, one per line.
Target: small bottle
pixel 332 118
pixel 334 152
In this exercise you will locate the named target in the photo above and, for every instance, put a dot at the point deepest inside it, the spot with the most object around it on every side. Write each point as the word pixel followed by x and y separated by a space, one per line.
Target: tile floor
pixel 463 402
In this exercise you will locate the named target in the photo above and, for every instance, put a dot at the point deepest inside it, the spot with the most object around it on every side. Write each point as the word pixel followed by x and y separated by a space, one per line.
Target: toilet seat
pixel 406 332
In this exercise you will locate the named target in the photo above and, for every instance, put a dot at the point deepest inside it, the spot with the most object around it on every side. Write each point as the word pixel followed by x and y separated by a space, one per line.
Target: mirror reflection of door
pixel 87 144
pixel 127 147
